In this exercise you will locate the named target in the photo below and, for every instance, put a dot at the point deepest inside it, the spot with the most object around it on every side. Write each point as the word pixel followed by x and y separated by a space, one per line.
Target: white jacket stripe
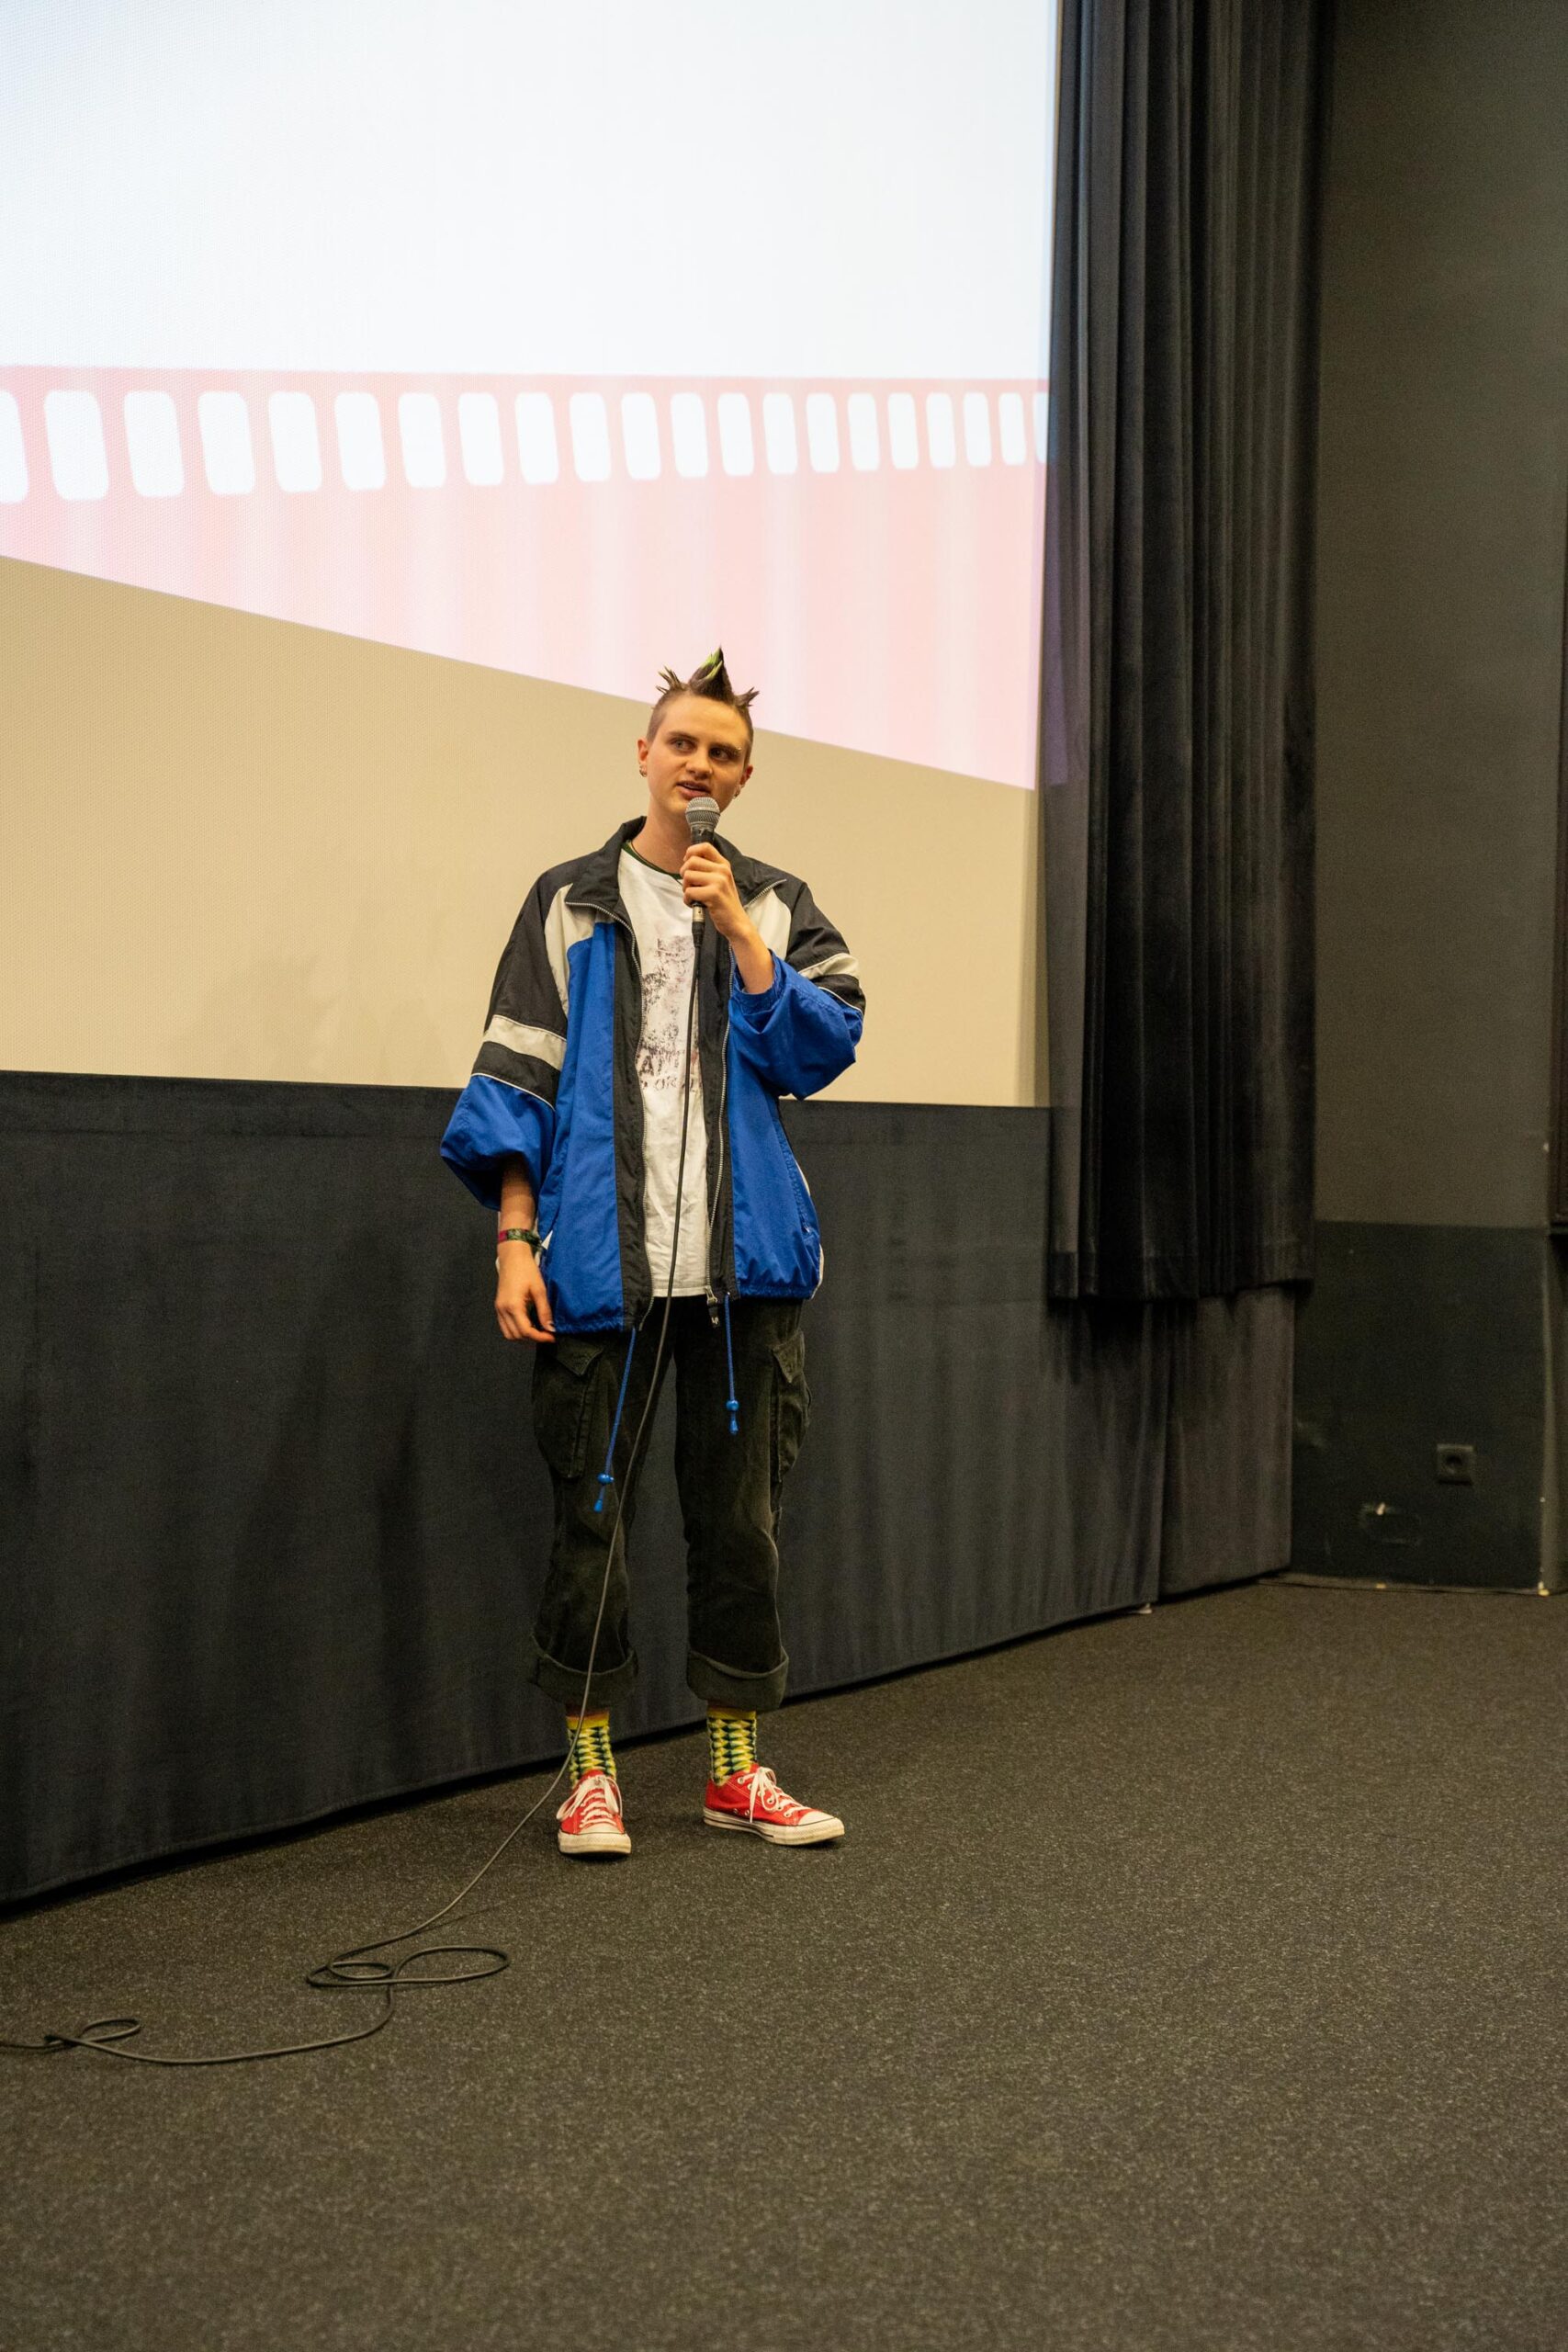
pixel 519 1038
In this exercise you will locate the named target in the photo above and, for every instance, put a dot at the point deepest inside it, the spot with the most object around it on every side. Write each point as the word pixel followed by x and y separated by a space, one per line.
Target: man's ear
pixel 641 751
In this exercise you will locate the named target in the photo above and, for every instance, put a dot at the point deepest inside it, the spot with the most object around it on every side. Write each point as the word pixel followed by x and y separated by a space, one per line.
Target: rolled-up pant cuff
pixel 750 1693
pixel 564 1683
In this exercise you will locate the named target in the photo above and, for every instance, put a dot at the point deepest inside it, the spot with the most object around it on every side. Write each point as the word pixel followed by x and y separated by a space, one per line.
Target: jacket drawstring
pixel 607 1475
pixel 732 1402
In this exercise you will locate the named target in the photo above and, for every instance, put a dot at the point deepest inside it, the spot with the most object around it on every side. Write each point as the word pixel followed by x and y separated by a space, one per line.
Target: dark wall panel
pixel 1417 1336
pixel 272 1516
pixel 1443 517
pixel 1443 490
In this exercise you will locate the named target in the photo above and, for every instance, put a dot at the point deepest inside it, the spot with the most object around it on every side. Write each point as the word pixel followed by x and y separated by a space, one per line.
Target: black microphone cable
pixel 359 1969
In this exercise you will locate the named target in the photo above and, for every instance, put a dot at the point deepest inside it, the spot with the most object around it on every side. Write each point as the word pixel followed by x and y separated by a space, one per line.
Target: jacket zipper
pixel 715 1213
pixel 623 922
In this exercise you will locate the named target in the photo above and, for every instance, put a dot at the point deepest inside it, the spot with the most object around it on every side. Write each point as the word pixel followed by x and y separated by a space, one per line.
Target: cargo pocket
pixel 792 1403
pixel 564 1388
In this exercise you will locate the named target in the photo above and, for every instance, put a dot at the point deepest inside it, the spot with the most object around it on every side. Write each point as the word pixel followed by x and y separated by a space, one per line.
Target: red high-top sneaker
pixel 591 1819
pixel 753 1800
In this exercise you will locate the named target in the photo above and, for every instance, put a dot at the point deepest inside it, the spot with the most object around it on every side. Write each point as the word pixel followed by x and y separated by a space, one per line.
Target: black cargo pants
pixel 730 1489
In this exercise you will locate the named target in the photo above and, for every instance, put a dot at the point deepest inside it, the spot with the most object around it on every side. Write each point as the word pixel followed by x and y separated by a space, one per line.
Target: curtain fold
pixel 1176 743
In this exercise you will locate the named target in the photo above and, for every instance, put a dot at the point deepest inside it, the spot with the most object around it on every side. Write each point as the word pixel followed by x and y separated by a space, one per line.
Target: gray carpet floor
pixel 1188 1983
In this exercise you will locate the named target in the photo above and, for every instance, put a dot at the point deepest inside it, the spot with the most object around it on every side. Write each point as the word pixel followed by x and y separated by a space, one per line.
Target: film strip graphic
pixel 870 553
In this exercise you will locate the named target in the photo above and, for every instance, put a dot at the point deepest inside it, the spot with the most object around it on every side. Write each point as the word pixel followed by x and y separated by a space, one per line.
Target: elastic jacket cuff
pixel 764 999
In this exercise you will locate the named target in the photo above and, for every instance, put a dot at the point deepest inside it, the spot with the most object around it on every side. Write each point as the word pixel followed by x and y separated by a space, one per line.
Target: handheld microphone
pixel 701 821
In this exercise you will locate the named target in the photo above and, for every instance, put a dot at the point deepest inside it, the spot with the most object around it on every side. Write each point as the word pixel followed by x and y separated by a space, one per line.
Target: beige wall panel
pixel 234 848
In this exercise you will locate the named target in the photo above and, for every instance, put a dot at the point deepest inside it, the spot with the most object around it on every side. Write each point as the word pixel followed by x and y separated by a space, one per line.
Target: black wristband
pixel 520 1233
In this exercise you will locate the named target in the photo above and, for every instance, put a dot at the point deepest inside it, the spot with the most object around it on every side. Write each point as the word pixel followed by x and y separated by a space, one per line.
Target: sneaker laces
pixel 596 1797
pixel 765 1790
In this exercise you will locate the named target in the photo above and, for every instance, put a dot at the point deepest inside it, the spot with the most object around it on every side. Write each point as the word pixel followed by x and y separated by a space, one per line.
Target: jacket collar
pixel 598 877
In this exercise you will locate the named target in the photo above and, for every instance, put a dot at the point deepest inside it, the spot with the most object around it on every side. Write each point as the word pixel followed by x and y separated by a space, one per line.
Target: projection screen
pixel 556 341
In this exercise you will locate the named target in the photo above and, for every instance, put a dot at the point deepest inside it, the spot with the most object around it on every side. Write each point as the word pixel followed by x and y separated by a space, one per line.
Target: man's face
pixel 700 747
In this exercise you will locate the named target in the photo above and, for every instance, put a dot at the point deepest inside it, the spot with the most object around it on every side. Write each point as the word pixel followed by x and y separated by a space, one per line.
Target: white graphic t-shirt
pixel 663 921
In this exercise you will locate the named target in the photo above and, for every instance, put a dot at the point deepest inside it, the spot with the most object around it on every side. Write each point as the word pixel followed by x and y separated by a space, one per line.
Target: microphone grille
pixel 701 817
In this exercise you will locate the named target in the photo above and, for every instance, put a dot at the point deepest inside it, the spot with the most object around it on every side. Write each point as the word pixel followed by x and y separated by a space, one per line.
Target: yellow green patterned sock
pixel 591 1752
pixel 732 1743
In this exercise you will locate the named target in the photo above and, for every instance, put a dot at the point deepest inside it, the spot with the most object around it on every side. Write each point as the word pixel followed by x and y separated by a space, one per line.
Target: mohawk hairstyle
pixel 711 680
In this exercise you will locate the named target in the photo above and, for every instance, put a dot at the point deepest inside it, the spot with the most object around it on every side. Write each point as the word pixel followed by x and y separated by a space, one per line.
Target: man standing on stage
pixel 571 1129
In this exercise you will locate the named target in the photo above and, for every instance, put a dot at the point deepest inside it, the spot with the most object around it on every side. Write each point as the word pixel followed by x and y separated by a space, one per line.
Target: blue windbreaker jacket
pixel 556 1083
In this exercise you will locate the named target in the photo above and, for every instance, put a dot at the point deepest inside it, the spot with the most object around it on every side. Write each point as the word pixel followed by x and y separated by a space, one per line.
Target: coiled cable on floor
pixel 359 1969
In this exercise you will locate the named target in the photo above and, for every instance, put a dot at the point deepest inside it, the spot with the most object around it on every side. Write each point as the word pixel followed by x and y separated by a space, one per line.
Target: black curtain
pixel 273 1524
pixel 1177 756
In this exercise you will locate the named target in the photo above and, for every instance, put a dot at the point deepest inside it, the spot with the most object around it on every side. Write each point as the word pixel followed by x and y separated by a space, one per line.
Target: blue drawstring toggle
pixel 732 1402
pixel 607 1475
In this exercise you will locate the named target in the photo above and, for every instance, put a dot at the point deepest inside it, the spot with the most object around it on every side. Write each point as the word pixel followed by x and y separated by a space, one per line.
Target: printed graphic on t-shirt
pixel 666 984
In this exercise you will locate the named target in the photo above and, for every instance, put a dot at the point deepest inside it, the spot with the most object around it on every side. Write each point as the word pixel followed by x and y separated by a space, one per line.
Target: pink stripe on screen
pixel 885 594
